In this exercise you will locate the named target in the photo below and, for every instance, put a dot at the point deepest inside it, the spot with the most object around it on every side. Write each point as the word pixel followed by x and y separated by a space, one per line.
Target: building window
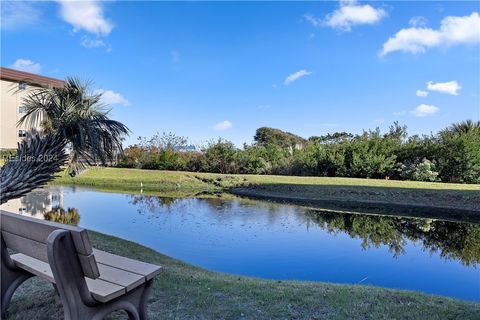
pixel 22 109
pixel 22 86
pixel 22 133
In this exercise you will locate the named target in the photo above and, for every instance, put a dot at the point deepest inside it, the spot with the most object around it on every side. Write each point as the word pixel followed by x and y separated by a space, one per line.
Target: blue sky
pixel 205 70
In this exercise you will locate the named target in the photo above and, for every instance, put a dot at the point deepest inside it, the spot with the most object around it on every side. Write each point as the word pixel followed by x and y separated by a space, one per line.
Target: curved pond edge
pixel 366 206
pixel 349 206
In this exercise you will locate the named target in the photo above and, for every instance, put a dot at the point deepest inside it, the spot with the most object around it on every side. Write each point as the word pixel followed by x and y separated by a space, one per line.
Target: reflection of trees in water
pixel 221 209
pixel 454 241
pixel 157 205
pixel 58 214
pixel 151 203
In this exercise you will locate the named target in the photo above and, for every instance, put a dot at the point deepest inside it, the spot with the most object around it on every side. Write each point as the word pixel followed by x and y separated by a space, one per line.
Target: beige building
pixel 14 87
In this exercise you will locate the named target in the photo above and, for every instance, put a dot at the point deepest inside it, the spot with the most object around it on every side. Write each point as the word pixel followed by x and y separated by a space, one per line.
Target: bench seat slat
pixel 101 290
pixel 29 236
pixel 32 265
pixel 104 291
pixel 39 230
pixel 121 277
pixel 38 250
pixel 148 270
pixel 29 247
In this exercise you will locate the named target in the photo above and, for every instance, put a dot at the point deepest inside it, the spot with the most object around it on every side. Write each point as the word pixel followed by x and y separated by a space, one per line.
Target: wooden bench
pixel 91 283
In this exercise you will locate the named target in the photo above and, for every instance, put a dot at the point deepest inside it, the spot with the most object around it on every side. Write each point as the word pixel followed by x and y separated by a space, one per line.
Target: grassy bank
pixel 422 199
pixel 186 292
pixel 158 180
pixel 136 179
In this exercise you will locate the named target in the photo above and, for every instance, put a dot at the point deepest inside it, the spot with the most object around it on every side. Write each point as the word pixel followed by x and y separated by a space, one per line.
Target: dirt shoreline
pixel 367 206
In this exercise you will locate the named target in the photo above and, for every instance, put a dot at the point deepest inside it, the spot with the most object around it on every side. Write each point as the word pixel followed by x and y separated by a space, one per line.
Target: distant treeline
pixel 451 155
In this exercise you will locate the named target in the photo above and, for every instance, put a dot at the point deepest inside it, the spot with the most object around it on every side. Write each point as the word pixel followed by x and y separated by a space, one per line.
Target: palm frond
pixel 78 116
pixel 38 159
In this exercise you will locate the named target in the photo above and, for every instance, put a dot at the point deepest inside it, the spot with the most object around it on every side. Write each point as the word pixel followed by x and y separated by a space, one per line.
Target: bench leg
pixel 11 280
pixel 134 303
pixel 142 305
pixel 78 304
pixel 12 277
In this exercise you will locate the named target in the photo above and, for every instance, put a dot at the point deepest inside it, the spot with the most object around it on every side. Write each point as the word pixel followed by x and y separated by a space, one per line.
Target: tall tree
pixel 459 152
pixel 466 126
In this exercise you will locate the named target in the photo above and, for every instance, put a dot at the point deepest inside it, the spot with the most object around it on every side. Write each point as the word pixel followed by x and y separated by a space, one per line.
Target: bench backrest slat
pixel 29 236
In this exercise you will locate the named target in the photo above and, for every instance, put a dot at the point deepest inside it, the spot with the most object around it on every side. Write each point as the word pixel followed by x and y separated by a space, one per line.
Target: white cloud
pixel 18 13
pixel 224 125
pixel 95 43
pixel 450 87
pixel 316 22
pixel 421 93
pixel 295 76
pixel 111 97
pixel 418 21
pixel 424 110
pixel 413 40
pixel 399 113
pixel 379 120
pixel 348 15
pixel 85 15
pixel 453 31
pixel 26 65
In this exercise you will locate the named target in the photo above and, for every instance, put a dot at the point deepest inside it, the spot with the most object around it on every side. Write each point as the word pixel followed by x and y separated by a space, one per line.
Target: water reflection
pixel 269 240
pixel 58 214
pixel 44 204
pixel 36 203
pixel 453 240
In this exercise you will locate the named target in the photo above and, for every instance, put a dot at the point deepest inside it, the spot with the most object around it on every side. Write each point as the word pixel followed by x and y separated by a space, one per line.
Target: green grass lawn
pixel 129 179
pixel 183 291
pixel 421 199
pixel 160 179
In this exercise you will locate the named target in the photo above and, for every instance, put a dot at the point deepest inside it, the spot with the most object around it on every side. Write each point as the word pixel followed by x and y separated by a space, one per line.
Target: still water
pixel 261 239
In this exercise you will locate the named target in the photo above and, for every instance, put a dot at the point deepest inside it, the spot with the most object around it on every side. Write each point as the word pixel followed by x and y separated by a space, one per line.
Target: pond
pixel 267 240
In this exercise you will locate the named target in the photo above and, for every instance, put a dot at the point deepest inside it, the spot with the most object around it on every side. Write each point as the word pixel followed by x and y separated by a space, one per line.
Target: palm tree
pixel 463 127
pixel 70 117
pixel 78 116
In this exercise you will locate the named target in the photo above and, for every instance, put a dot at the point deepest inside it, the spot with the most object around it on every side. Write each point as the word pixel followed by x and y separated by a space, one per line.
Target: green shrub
pixel 453 155
pixel 424 170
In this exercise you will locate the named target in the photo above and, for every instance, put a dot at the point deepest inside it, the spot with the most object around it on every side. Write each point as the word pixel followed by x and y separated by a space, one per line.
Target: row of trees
pixel 452 155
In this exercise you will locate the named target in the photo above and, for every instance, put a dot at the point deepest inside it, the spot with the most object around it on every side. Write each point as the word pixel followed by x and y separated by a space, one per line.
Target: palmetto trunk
pixel 38 159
